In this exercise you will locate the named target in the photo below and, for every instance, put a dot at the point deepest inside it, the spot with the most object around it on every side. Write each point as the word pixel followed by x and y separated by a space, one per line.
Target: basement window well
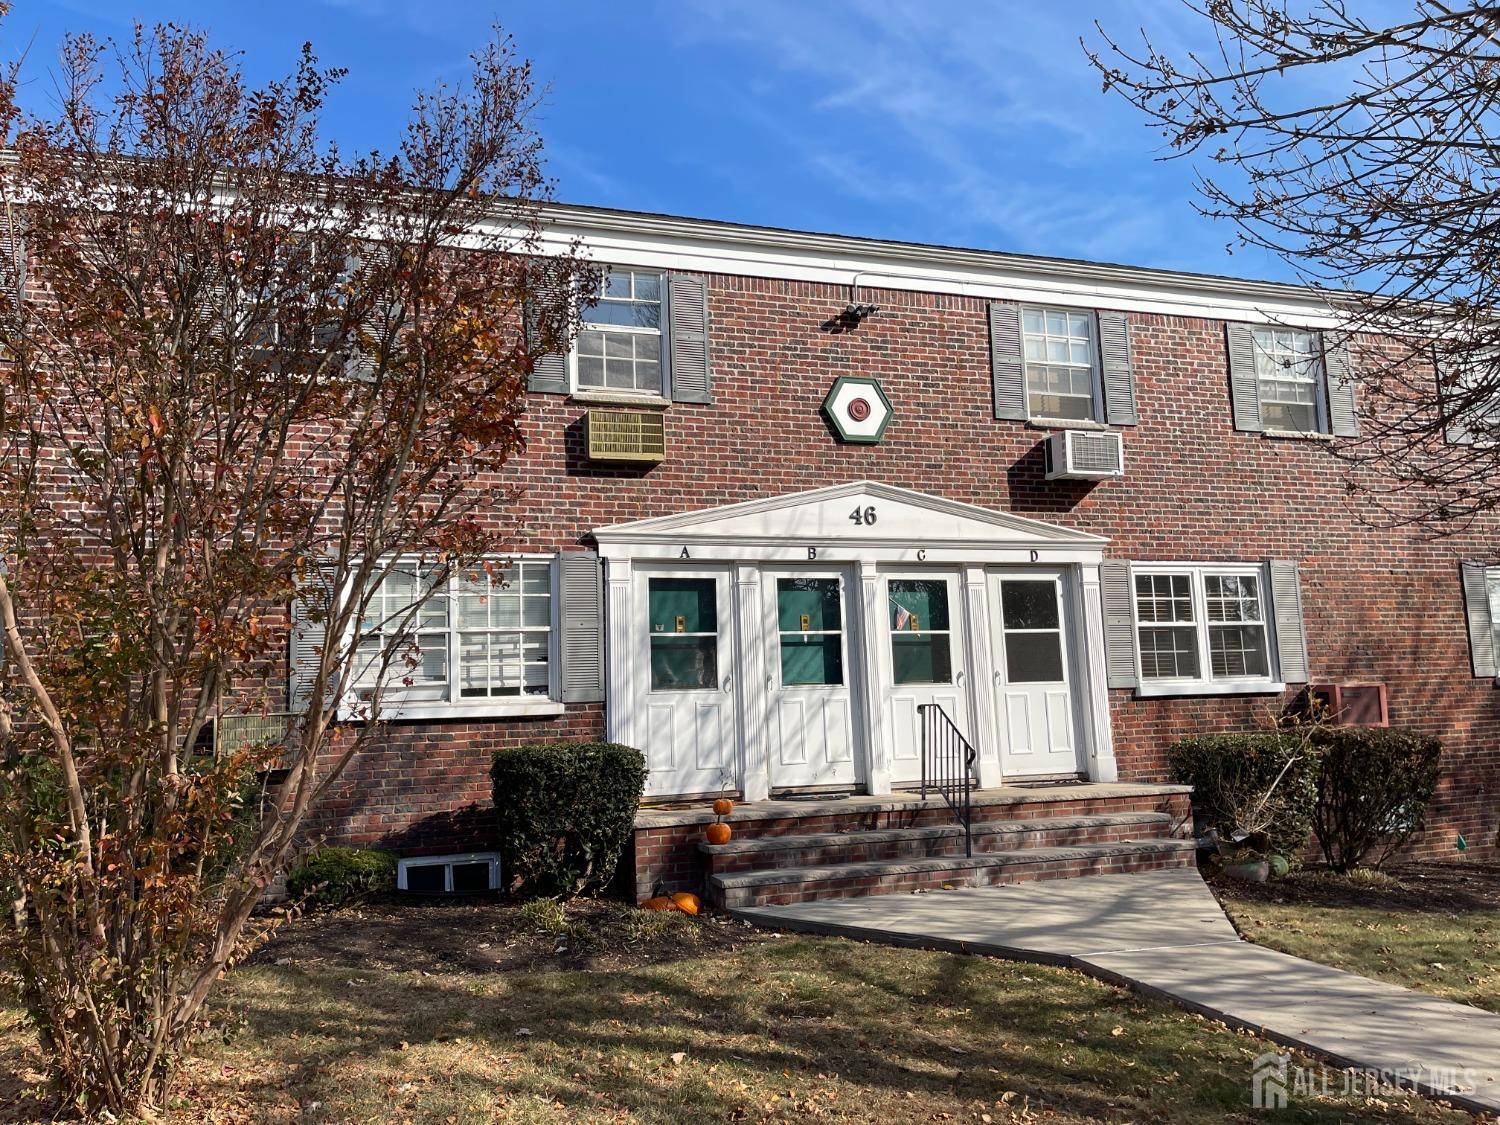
pixel 473 873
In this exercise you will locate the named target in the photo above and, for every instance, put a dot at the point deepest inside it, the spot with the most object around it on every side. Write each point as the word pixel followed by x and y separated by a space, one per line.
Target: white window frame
pixel 621 394
pixel 446 862
pixel 1096 410
pixel 1321 420
pixel 394 707
pixel 1205 683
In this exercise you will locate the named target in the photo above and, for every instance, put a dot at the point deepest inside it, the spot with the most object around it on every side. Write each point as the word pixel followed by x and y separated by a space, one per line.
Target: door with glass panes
pixel 810 723
pixel 686 655
pixel 922 662
pixel 1034 701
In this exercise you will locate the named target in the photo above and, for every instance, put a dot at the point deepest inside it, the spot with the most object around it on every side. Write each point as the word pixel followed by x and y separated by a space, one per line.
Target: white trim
pixel 1162 689
pixel 667 242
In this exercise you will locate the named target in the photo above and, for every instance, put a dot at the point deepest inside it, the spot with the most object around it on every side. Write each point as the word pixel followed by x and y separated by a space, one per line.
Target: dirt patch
pixel 394 933
pixel 1447 888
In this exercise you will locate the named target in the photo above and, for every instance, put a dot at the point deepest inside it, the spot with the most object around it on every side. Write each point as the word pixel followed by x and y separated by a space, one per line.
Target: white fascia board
pixel 663 242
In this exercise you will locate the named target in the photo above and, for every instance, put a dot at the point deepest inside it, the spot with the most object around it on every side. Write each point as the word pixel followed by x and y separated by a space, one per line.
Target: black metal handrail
pixel 948 766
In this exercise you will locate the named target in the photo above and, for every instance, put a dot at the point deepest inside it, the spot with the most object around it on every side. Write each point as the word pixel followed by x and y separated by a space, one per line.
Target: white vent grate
pixel 1085 455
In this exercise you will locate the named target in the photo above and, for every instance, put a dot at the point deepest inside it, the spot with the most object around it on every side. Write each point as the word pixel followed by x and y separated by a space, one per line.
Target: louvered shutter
pixel 1343 413
pixel 362 362
pixel 1007 367
pixel 1477 605
pixel 687 319
pixel 581 588
pixel 1244 387
pixel 549 372
pixel 1286 612
pixel 307 637
pixel 1456 429
pixel 1114 365
pixel 12 257
pixel 1119 624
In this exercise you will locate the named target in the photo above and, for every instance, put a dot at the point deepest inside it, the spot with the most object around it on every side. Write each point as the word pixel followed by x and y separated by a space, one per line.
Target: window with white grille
pixel 619 345
pixel 1289 373
pixel 459 640
pixel 1202 625
pixel 1061 360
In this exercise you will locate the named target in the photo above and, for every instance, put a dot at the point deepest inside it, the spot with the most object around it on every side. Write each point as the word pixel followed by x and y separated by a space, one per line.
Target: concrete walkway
pixel 1163 933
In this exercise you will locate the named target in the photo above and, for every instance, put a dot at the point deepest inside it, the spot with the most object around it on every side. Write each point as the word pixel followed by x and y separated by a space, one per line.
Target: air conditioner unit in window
pixel 626 435
pixel 1085 455
pixel 1351 705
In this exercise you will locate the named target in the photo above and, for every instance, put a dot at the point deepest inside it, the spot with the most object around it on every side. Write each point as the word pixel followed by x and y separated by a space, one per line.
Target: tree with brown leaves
pixel 238 371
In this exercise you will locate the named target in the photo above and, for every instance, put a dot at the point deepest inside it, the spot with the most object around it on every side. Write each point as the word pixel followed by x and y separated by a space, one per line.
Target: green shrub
pixel 565 812
pixel 331 876
pixel 1235 784
pixel 1373 791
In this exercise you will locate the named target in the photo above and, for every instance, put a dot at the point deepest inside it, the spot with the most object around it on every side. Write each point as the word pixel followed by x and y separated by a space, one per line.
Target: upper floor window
pixel 1289 372
pixel 1061 363
pixel 620 341
pixel 461 641
pixel 1202 625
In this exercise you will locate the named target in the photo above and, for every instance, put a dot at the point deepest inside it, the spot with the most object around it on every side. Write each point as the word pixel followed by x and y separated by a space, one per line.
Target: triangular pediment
pixel 864 511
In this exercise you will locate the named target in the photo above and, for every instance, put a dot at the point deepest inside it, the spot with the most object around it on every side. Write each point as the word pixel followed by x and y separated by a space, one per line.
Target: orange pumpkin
pixel 718 833
pixel 687 903
pixel 660 902
pixel 723 806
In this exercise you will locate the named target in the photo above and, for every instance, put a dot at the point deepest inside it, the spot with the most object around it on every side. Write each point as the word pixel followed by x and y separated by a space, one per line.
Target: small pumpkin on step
pixel 718 833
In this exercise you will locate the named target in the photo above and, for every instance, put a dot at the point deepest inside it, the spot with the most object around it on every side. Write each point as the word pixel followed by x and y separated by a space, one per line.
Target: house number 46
pixel 863 517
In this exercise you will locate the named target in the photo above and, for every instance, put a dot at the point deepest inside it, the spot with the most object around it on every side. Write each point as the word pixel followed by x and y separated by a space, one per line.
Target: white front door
pixel 810 717
pixel 1034 702
pixel 922 661
pixel 685 656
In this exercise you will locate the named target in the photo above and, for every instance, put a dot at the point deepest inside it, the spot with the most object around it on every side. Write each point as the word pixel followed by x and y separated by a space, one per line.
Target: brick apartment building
pixel 789 487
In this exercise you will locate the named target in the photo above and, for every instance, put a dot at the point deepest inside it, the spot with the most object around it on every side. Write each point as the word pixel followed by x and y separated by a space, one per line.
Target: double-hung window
pixel 1289 377
pixel 476 641
pixel 1203 628
pixel 620 340
pixel 1062 363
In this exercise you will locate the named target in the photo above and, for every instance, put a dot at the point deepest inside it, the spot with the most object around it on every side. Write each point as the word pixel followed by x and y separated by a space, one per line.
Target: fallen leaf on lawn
pixel 677 1057
pixel 1117 1031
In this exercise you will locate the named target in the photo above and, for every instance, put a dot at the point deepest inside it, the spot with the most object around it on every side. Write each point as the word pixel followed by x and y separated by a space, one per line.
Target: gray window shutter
pixel 1286 612
pixel 1119 624
pixel 1481 620
pixel 1456 428
pixel 1114 367
pixel 581 588
pixel 1343 413
pixel 307 635
pixel 1244 386
pixel 12 257
pixel 1007 368
pixel 687 318
pixel 549 372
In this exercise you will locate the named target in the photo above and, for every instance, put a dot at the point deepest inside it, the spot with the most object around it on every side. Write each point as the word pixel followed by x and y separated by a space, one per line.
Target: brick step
pixel 824 848
pixel 779 886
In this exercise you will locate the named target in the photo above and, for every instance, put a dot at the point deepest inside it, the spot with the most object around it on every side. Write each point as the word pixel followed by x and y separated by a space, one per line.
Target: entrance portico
pixel 784 644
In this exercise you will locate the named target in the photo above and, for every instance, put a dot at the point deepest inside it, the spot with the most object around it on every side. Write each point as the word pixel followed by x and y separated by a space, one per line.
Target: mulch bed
pixel 1434 887
pixel 487 934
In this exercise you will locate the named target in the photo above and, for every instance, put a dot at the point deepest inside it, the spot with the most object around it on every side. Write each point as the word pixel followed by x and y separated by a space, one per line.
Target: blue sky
pixel 965 122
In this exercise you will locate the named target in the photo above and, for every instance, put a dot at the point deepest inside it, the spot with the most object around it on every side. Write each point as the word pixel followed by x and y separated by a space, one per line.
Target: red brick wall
pixel 1380 604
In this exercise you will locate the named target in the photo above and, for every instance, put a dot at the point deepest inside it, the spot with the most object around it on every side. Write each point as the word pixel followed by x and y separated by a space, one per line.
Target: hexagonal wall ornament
pixel 858 409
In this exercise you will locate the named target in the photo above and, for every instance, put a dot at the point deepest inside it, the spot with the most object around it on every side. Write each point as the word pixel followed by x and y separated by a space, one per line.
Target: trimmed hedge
pixel 331 876
pixel 565 813
pixel 1230 773
pixel 1373 791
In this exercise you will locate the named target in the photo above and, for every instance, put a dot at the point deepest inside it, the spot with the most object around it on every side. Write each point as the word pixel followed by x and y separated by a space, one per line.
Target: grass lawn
pixel 482 1012
pixel 1435 926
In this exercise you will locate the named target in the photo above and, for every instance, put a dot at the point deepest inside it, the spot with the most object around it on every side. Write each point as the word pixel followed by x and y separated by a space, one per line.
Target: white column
pixel 984 730
pixel 871 698
pixel 1101 745
pixel 755 776
pixel 620 702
